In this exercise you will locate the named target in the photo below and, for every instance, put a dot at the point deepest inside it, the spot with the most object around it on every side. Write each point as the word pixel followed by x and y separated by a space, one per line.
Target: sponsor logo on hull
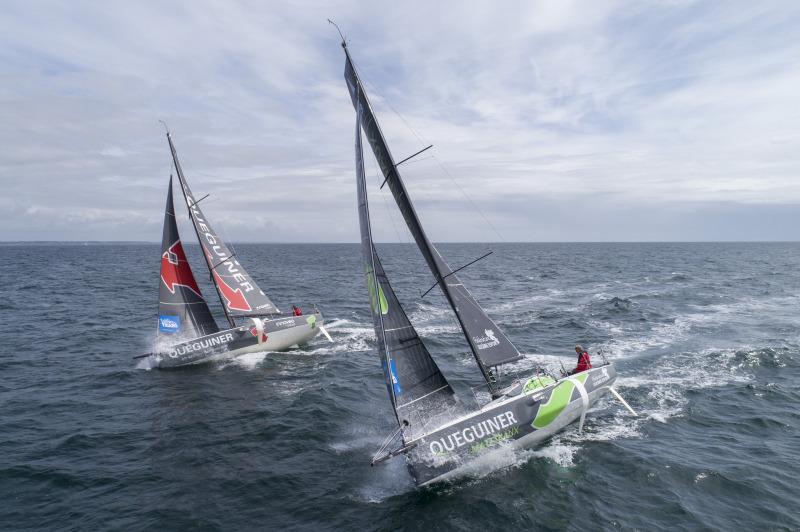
pixel 200 344
pixel 601 377
pixel 254 332
pixel 479 435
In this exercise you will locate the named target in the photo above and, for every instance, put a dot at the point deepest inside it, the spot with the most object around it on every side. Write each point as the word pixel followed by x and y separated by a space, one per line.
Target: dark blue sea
pixel 705 337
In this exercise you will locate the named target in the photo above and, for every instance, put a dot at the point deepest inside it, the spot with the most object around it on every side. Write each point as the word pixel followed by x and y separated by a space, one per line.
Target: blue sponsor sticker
pixel 169 323
pixel 395 381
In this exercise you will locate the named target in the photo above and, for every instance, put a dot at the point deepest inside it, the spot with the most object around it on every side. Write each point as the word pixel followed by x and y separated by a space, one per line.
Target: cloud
pixel 657 112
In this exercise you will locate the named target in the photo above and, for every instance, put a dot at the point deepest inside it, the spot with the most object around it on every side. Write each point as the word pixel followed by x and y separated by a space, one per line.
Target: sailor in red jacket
pixel 296 311
pixel 583 361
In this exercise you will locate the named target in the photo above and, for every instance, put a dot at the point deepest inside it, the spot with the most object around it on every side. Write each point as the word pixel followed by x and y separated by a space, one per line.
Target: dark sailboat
pixel 181 306
pixel 186 328
pixel 436 433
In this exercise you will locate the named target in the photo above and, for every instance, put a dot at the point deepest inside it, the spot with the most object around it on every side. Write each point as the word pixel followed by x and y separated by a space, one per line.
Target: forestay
pixel 239 293
pixel 182 310
pixel 488 344
pixel 415 384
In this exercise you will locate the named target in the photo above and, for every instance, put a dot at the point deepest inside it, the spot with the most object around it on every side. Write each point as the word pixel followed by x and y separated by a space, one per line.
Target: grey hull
pixel 272 335
pixel 523 418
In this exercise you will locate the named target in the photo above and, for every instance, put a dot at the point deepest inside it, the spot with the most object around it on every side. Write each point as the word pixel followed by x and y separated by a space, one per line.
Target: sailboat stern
pixel 535 413
pixel 291 331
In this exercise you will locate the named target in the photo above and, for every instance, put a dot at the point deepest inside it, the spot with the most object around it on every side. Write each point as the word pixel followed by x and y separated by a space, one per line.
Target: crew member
pixel 583 361
pixel 297 312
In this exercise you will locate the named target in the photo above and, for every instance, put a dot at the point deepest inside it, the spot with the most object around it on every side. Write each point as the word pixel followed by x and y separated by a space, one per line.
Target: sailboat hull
pixel 524 419
pixel 272 335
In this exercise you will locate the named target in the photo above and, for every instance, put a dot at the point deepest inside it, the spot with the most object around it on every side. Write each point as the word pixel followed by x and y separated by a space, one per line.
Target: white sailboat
pixel 185 323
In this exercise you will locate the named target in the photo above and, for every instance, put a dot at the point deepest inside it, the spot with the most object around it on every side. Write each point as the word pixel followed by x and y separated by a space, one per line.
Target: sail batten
pixel 238 292
pixel 413 380
pixel 488 344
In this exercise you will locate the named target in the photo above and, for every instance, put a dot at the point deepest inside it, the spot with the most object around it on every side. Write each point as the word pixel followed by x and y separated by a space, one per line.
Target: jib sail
pixel 181 307
pixel 417 387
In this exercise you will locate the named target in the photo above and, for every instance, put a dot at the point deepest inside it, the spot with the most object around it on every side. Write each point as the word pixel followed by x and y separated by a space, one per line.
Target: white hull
pixel 257 336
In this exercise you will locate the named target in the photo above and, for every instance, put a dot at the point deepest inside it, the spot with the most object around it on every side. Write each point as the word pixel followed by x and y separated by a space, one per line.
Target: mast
pixel 488 344
pixel 238 292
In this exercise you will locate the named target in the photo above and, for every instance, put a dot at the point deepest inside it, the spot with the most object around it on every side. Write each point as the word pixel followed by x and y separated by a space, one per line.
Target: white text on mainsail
pixel 218 250
pixel 473 433
pixel 484 342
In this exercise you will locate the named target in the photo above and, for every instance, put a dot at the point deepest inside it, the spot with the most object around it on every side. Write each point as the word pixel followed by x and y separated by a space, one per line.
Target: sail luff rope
pixel 474 206
pixel 372 253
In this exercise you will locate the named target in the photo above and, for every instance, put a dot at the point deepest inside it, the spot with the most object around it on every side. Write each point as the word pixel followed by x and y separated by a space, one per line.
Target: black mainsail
pixel 181 307
pixel 417 387
pixel 488 344
pixel 238 292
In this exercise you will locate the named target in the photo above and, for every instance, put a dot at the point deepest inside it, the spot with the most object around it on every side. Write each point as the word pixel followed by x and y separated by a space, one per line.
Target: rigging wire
pixel 469 199
pixel 424 141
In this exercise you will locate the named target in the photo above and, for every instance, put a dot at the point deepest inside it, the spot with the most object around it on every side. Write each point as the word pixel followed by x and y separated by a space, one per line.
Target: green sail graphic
pixel 371 287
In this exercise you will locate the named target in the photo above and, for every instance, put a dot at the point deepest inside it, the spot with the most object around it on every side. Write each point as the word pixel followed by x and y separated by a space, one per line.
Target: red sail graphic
pixel 236 299
pixel 175 270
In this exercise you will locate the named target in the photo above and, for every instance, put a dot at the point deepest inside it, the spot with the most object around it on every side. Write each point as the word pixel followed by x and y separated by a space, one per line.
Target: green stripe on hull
pixel 558 401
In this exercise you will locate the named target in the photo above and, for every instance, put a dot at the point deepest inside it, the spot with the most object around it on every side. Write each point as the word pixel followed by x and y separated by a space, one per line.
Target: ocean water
pixel 705 337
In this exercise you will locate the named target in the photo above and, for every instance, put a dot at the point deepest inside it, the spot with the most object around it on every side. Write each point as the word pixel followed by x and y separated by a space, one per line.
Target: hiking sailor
pixel 583 361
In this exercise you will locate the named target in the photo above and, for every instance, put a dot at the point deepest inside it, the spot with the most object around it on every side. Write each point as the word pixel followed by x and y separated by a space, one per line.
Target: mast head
pixel 344 42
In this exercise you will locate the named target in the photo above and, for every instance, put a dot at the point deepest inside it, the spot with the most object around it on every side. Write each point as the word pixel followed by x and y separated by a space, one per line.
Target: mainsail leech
pixel 238 292
pixel 488 344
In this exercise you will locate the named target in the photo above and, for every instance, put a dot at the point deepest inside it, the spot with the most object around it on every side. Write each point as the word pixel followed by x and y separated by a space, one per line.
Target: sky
pixel 561 121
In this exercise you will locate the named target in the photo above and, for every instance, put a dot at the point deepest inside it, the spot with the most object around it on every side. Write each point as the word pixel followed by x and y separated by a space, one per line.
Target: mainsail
pixel 239 293
pixel 488 344
pixel 181 307
pixel 417 387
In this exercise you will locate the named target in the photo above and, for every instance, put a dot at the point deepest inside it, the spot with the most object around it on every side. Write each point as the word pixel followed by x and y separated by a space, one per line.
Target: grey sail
pixel 488 344
pixel 418 389
pixel 238 292
pixel 182 310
